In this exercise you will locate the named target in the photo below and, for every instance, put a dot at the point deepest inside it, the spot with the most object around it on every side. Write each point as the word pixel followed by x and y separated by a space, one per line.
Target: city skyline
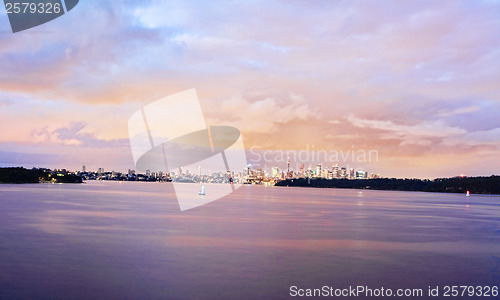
pixel 320 171
pixel 416 82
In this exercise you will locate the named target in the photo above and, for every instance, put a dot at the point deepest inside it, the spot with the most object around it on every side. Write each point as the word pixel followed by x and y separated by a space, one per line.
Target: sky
pixel 415 81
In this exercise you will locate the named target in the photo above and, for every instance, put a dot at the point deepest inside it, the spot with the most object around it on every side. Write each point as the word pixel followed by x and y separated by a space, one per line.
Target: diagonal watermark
pixel 171 133
pixel 27 14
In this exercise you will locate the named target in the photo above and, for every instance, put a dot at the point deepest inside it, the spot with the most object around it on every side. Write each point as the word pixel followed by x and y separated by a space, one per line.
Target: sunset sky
pixel 418 81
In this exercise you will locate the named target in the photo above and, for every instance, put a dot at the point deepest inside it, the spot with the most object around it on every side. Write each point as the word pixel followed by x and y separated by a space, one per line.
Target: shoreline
pixel 458 185
pixel 267 186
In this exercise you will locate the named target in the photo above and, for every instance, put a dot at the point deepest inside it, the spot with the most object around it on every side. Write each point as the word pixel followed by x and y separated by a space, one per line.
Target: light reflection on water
pixel 129 240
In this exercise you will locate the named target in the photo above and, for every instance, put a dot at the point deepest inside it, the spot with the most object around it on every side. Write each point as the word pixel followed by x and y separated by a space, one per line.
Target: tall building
pixel 343 173
pixel 318 170
pixel 84 169
pixel 275 172
pixel 335 171
pixel 301 170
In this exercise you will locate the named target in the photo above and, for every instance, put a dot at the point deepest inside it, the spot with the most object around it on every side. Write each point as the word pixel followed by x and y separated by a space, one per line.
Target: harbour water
pixel 129 240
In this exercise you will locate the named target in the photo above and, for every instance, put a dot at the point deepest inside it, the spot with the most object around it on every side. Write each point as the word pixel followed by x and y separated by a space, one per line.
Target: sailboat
pixel 202 192
pixel 468 194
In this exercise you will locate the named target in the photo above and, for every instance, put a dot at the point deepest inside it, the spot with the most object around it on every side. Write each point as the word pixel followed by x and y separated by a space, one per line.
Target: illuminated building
pixel 301 171
pixel 360 174
pixel 343 173
pixel 275 172
pixel 335 171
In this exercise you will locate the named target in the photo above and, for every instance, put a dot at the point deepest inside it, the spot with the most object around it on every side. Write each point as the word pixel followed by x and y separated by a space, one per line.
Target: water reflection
pixel 129 241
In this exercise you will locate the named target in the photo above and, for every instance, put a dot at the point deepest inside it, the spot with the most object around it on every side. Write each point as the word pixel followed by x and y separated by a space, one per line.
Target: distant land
pixel 476 185
pixel 22 175
pixel 461 184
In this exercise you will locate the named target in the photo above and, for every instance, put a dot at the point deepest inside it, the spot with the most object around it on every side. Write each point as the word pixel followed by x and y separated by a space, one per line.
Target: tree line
pixel 476 185
pixel 22 175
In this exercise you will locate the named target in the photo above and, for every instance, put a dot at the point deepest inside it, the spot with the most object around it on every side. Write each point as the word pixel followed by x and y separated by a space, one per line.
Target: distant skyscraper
pixel 318 170
pixel 275 172
pixel 83 169
pixel 343 173
pixel 335 171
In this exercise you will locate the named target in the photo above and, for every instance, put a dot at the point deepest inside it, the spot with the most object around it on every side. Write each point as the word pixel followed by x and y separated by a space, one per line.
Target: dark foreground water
pixel 110 240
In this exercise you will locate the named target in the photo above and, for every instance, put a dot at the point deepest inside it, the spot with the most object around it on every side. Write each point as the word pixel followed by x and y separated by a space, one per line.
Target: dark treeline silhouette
pixel 476 185
pixel 22 175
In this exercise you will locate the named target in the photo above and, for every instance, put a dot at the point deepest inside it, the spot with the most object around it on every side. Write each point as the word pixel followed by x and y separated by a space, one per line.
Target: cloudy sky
pixel 417 81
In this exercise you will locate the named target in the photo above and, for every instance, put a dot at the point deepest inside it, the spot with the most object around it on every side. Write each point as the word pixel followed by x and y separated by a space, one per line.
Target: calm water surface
pixel 111 240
